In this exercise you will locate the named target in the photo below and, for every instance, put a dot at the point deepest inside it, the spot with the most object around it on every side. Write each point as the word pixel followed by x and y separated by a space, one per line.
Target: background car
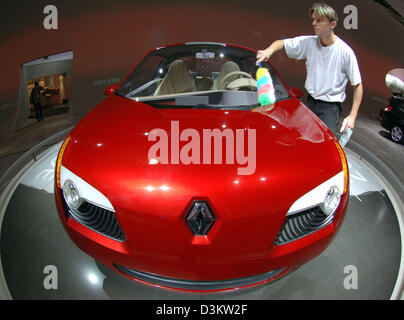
pixel 173 180
pixel 392 118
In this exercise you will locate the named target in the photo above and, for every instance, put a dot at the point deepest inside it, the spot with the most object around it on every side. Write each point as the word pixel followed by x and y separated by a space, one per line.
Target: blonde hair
pixel 323 10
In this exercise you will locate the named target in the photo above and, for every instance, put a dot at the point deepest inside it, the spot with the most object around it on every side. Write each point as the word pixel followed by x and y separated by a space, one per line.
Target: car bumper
pixel 384 121
pixel 215 275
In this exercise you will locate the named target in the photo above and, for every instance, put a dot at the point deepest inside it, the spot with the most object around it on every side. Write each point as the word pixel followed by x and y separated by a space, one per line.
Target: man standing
pixel 330 63
pixel 35 99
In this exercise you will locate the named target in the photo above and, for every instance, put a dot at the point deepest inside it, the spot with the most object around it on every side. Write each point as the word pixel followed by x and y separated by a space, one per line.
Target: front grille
pixel 301 224
pixel 98 219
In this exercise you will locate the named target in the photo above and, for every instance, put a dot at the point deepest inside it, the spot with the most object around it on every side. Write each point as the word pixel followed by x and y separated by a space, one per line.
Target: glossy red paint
pixel 295 152
pixel 110 90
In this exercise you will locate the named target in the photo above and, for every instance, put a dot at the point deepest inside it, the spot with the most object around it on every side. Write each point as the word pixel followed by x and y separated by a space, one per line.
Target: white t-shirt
pixel 328 68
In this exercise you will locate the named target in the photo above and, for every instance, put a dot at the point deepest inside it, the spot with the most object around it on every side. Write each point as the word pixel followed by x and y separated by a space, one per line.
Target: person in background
pixel 330 63
pixel 35 100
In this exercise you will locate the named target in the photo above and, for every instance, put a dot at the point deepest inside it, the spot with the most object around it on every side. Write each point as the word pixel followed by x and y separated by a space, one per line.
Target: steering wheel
pixel 226 79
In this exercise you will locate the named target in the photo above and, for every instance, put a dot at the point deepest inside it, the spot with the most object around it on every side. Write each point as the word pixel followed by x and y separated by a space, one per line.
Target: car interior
pixel 179 79
pixel 225 75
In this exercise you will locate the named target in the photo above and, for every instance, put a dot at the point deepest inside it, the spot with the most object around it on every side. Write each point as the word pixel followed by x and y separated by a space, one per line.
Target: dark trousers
pixel 328 112
pixel 38 111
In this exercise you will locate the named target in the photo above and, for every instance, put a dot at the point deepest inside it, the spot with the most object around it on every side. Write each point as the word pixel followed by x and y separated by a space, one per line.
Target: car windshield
pixel 201 75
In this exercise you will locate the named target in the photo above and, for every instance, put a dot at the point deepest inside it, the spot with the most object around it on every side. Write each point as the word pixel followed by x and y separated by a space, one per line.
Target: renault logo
pixel 200 218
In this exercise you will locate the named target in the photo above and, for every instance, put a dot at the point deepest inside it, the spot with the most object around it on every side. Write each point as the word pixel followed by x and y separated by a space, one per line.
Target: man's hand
pixel 349 122
pixel 264 55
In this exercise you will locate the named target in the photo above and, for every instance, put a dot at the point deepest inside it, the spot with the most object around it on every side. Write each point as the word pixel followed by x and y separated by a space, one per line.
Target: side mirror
pixel 297 92
pixel 110 90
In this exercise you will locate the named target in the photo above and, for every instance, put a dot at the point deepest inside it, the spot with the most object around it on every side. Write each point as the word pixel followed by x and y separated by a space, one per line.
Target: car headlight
pixel 71 195
pixel 327 195
pixel 331 201
pixel 315 209
pixel 76 190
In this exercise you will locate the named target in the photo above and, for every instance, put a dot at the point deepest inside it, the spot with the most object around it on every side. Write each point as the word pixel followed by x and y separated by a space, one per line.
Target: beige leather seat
pixel 226 68
pixel 177 80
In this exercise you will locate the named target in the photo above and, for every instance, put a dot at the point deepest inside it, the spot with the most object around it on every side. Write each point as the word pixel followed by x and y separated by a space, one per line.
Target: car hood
pixel 294 152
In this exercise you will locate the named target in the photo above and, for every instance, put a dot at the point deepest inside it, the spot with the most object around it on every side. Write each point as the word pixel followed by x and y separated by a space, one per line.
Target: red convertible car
pixel 179 180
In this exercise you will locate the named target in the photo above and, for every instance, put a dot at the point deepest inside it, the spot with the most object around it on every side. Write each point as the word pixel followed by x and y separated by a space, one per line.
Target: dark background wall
pixel 108 37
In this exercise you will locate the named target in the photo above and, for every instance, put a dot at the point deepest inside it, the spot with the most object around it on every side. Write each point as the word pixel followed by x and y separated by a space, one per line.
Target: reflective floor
pixel 39 261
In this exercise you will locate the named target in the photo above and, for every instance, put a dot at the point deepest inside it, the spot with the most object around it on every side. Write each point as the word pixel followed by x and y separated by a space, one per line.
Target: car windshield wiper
pixel 202 106
pixel 179 106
